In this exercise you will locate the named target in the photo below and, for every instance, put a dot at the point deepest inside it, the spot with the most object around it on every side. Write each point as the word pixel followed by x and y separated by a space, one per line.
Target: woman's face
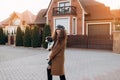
pixel 58 31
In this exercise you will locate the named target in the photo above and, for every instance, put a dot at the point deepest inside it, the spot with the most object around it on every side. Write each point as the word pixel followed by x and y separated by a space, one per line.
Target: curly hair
pixel 62 36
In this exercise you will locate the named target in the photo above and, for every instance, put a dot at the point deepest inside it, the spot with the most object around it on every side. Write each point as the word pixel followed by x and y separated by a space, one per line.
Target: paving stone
pixel 21 63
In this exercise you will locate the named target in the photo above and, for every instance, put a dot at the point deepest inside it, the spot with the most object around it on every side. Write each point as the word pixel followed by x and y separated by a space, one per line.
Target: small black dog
pixel 50 41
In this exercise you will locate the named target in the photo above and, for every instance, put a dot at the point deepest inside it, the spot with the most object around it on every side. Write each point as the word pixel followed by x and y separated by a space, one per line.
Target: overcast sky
pixel 8 6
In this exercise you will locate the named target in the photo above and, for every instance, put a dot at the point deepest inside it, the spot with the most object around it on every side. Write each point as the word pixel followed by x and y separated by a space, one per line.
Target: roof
pixel 40 18
pixel 0 24
pixel 26 16
pixel 116 13
pixel 96 10
pixel 4 22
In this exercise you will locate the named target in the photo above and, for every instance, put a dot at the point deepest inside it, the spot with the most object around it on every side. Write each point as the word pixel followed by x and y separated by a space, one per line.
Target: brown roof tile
pixel 40 18
pixel 5 21
pixel 26 16
pixel 0 23
pixel 95 10
pixel 115 13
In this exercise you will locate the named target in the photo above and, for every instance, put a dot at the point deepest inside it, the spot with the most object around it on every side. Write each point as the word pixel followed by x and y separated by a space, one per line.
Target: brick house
pixel 17 19
pixel 40 18
pixel 89 20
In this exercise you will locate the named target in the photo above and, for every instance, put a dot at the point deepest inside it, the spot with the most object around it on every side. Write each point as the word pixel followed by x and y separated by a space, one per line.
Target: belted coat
pixel 57 58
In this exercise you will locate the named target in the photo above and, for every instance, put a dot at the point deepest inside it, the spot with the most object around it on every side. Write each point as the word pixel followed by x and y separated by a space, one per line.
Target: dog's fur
pixel 50 42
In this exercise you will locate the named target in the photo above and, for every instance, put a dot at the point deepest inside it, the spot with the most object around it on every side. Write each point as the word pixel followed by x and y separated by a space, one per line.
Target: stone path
pixel 19 63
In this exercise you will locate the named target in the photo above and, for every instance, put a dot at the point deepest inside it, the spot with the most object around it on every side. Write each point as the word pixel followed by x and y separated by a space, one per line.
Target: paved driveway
pixel 18 63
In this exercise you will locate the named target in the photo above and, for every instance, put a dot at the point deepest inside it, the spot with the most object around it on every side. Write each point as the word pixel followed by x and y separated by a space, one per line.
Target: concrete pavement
pixel 19 63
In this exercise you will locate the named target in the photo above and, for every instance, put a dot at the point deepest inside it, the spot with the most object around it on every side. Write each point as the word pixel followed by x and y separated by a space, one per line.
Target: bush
pixel 19 37
pixel 36 42
pixel 46 32
pixel 27 37
pixel 2 37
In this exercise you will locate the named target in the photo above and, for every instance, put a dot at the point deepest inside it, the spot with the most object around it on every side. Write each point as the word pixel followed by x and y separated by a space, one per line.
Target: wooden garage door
pixel 98 29
pixel 99 36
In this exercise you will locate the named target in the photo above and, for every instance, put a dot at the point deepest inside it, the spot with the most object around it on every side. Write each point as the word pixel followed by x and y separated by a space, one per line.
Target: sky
pixel 112 3
pixel 7 7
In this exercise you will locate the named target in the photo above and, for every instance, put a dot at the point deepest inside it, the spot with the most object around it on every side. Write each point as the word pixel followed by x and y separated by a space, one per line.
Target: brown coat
pixel 57 67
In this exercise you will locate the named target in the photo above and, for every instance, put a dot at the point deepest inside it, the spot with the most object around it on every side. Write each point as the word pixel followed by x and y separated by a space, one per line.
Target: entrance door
pixel 11 40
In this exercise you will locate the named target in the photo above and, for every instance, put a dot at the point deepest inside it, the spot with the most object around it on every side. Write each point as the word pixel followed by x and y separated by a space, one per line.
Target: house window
pixel 64 7
pixel 63 4
pixel 16 22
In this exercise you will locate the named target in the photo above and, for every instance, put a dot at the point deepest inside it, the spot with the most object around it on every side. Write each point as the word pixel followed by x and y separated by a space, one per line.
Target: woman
pixel 56 58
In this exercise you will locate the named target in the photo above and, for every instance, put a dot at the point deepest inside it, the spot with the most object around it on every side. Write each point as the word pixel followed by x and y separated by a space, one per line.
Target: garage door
pixel 99 36
pixel 98 29
pixel 63 21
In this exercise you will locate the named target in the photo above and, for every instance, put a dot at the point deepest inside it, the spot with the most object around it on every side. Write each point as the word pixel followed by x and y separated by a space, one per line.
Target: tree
pixel 46 32
pixel 2 36
pixel 27 37
pixel 19 37
pixel 36 42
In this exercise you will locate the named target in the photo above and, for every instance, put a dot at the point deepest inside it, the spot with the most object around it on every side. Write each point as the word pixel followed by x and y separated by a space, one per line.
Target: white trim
pixel 83 17
pixel 50 7
pixel 82 7
pixel 110 23
pixel 74 26
pixel 62 18
pixel 83 22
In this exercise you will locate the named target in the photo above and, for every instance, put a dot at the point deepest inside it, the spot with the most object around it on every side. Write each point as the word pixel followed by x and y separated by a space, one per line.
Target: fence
pixel 94 42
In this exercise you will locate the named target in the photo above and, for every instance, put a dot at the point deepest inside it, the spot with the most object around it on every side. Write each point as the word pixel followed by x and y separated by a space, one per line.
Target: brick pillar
pixel 116 41
pixel 9 40
pixel 14 40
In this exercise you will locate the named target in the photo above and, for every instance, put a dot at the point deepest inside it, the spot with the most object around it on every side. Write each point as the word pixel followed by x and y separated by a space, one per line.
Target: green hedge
pixel 36 39
pixel 27 37
pixel 2 36
pixel 46 32
pixel 19 37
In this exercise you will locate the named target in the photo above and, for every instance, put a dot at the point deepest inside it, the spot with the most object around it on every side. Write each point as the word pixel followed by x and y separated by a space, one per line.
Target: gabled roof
pixel 89 2
pixel 0 24
pixel 95 10
pixel 116 13
pixel 40 18
pixel 4 22
pixel 26 16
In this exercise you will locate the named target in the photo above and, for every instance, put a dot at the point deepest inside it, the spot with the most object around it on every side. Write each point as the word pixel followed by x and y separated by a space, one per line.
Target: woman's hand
pixel 49 67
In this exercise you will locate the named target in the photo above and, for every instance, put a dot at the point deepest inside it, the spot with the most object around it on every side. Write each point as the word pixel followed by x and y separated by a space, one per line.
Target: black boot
pixel 62 77
pixel 49 74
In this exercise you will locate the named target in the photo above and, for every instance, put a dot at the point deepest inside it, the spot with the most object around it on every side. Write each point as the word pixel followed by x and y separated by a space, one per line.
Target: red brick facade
pixel 87 11
pixel 75 3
